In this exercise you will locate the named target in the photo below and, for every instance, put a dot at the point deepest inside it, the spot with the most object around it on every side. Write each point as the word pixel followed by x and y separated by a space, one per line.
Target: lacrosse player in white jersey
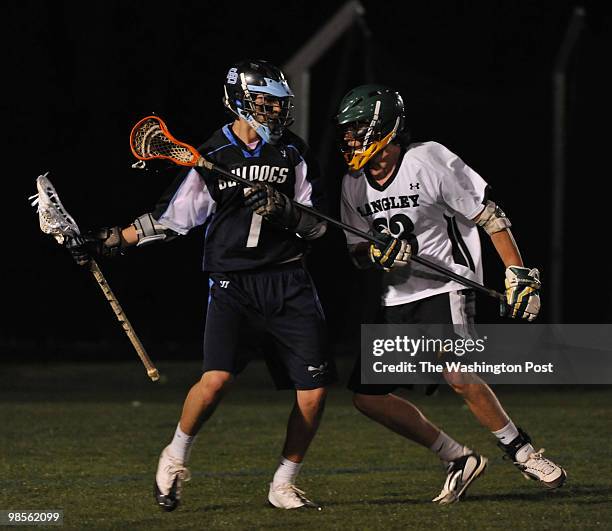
pixel 423 199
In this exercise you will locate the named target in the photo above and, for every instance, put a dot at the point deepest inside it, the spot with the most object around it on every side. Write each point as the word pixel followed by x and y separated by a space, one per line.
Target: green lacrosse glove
pixel 393 253
pixel 523 292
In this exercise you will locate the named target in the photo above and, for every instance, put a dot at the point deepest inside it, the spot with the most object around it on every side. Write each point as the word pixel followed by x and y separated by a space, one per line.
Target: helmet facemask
pixel 360 141
pixel 369 118
pixel 267 109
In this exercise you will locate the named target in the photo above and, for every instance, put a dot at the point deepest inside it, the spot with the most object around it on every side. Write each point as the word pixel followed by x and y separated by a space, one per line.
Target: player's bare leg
pixel 485 406
pixel 479 398
pixel 303 422
pixel 201 402
pixel 302 426
pixel 405 419
pixel 399 415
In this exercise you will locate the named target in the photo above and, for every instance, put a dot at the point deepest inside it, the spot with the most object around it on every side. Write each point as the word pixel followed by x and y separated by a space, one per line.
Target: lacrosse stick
pixel 151 139
pixel 55 220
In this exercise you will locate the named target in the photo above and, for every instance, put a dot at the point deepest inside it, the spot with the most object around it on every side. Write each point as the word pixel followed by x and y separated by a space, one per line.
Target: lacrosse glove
pixel 78 249
pixel 523 292
pixel 394 252
pixel 271 204
pixel 105 242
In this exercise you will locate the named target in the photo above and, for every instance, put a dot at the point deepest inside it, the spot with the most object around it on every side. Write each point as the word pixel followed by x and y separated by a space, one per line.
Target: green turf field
pixel 86 438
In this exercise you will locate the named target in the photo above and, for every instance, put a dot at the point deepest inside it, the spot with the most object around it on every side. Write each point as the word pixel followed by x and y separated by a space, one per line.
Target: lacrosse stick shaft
pixel 125 323
pixel 369 237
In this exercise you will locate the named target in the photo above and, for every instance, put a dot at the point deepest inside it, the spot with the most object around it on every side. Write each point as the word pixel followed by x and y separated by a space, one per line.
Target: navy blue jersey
pixel 236 238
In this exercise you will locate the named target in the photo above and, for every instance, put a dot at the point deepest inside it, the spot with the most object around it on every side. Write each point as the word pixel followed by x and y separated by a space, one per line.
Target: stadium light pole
pixel 559 161
pixel 298 67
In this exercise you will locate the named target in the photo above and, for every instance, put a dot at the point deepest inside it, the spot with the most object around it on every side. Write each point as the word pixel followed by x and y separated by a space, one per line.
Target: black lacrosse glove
pixel 271 204
pixel 104 242
pixel 393 253
pixel 78 249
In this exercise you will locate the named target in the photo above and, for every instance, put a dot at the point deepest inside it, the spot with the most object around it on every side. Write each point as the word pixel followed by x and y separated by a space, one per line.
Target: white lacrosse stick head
pixel 52 216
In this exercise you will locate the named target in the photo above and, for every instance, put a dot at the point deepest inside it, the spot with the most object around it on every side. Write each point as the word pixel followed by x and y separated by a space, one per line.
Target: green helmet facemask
pixel 369 117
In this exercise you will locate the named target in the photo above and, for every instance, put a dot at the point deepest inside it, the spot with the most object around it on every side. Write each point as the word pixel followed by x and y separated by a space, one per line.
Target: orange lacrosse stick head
pixel 150 139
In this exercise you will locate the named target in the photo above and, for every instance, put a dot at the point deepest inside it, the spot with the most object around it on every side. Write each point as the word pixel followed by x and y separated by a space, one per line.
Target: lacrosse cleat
pixel 169 479
pixel 288 496
pixel 531 463
pixel 460 474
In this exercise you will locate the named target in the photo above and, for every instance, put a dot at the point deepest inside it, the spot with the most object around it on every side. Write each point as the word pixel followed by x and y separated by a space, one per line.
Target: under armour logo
pixel 317 371
pixel 224 283
pixel 415 186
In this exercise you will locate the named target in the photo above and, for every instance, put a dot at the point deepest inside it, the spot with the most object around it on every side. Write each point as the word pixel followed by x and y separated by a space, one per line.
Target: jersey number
pixel 400 226
pixel 254 230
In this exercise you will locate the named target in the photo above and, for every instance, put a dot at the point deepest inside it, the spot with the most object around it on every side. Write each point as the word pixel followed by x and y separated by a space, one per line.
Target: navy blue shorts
pixel 274 312
pixel 456 307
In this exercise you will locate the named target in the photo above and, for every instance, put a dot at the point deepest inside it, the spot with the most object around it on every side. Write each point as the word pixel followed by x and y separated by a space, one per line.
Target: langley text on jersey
pixel 388 203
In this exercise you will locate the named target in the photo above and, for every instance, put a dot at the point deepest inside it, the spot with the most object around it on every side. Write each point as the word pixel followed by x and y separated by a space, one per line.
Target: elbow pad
pixel 492 219
pixel 149 230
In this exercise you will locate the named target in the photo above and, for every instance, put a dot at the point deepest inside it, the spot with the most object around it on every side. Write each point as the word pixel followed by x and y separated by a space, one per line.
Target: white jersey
pixel 430 200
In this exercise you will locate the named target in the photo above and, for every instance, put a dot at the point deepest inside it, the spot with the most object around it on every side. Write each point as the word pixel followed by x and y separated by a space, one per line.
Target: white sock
pixel 286 472
pixel 180 447
pixel 507 434
pixel 448 449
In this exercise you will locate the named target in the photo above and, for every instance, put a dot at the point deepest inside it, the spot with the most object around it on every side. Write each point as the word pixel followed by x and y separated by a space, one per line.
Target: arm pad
pixel 149 230
pixel 492 219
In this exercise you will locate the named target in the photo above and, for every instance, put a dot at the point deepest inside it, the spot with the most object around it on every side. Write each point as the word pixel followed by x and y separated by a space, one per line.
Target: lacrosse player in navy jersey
pixel 421 198
pixel 253 252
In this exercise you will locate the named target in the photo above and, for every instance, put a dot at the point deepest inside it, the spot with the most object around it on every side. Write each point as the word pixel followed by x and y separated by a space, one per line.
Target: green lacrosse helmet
pixel 369 117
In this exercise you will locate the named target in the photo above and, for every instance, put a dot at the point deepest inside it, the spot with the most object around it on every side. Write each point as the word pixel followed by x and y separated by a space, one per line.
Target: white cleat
pixel 538 468
pixel 532 464
pixel 288 496
pixel 169 479
pixel 461 473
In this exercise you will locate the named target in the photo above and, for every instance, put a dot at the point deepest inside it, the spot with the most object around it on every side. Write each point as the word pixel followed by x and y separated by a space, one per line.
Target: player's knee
pixel 312 399
pixel 364 403
pixel 215 382
pixel 461 383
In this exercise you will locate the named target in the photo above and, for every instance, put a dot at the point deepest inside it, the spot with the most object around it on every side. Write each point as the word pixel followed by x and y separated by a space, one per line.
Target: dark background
pixel 475 76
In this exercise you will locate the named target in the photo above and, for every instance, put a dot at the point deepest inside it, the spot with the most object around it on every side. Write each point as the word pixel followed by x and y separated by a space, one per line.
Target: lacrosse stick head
pixel 52 216
pixel 150 139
